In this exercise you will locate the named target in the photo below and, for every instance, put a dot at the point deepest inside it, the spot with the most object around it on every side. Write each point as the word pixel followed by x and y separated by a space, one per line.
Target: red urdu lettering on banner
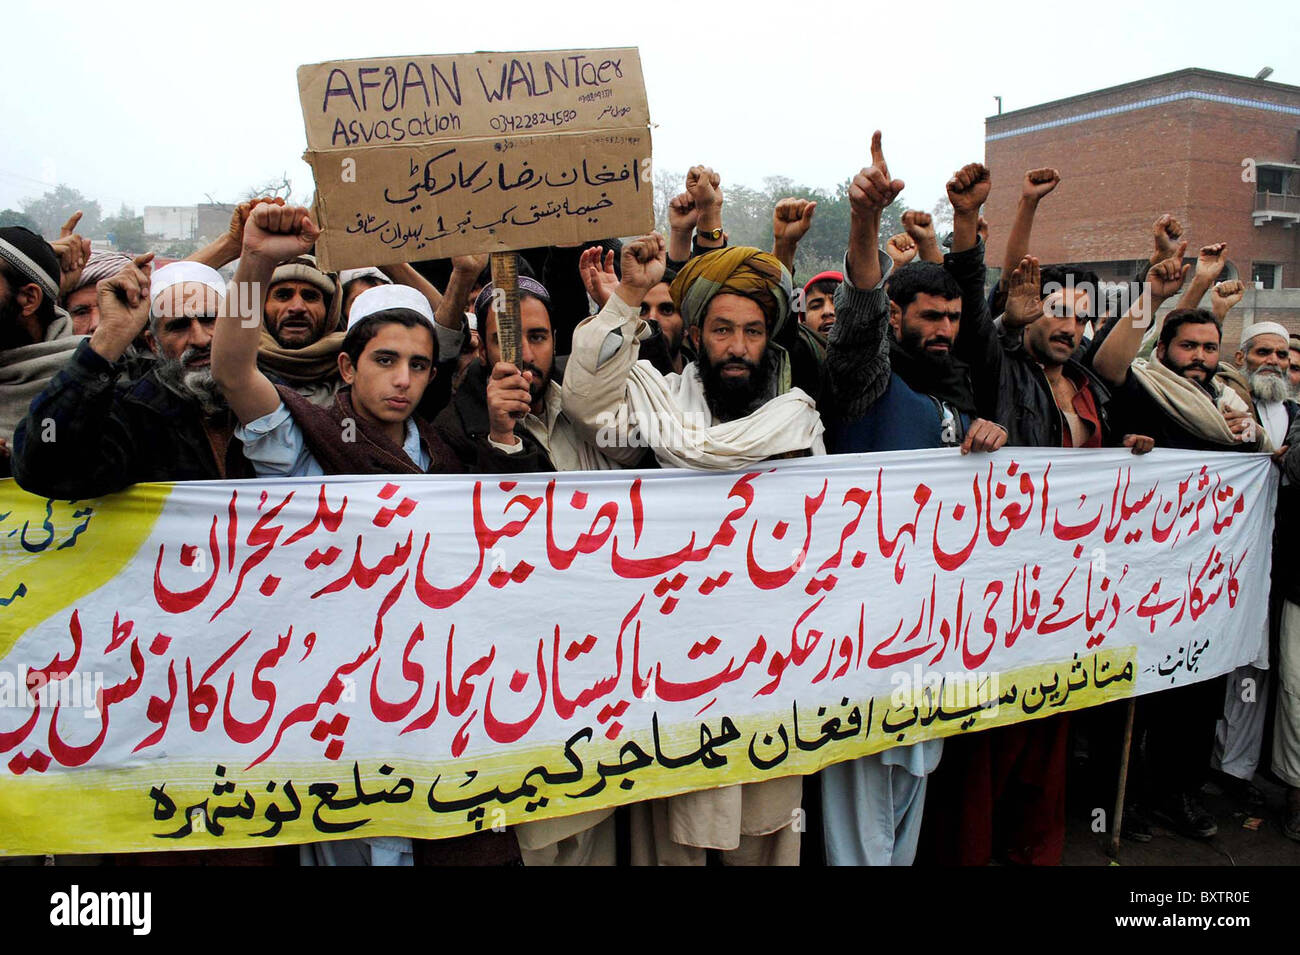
pixel 459 695
pixel 678 692
pixel 879 659
pixel 67 755
pixel 563 706
pixel 860 497
pixel 951 562
pixel 1049 623
pixel 15 737
pixel 263 690
pixel 1071 532
pixel 412 672
pixel 324 517
pixel 437 598
pixel 1223 523
pixel 405 507
pixel 1150 607
pixel 798 652
pixel 1198 600
pixel 328 696
pixel 888 544
pixel 771 580
pixel 638 511
pixel 634 568
pixel 1120 509
pixel 1161 534
pixel 58 668
pixel 504 731
pixel 588 542
pixel 232 527
pixel 121 632
pixel 365 577
pixel 189 599
pixel 1234 584
pixel 159 711
pixel 260 537
pixel 1024 608
pixel 955 631
pixel 202 700
pixel 1015 515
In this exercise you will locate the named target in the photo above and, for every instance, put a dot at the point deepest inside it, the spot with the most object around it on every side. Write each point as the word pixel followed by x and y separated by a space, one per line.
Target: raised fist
pixel 901 249
pixel 918 225
pixel 1210 261
pixel 279 233
pixel 1038 183
pixel 968 188
pixel 1225 295
pixel 239 217
pixel 1166 231
pixel 124 300
pixel 644 261
pixel 704 187
pixel 791 219
pixel 682 214
pixel 1165 278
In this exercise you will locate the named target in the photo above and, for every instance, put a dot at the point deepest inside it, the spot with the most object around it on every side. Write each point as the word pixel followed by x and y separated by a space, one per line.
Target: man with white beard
pixel 90 433
pixel 1265 359
pixel 1261 376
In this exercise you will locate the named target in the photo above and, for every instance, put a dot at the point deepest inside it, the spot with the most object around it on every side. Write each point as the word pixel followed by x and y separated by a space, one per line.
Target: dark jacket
pixel 1011 387
pixel 1286 570
pixel 89 434
pixel 464 426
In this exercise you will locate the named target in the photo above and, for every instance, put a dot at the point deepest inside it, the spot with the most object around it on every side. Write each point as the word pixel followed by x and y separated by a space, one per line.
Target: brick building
pixel 1220 152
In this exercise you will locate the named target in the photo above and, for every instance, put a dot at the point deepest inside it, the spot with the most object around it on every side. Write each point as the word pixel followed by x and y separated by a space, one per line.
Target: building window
pixel 1266 275
pixel 1270 180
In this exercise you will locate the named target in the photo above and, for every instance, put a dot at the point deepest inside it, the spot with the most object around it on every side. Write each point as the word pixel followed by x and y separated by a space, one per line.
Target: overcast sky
pixel 164 104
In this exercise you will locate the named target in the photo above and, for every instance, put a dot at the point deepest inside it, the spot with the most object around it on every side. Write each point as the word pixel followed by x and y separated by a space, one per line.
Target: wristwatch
pixel 711 234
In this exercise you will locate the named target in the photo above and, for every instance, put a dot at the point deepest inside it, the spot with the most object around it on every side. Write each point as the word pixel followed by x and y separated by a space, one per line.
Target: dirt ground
pixel 1243 839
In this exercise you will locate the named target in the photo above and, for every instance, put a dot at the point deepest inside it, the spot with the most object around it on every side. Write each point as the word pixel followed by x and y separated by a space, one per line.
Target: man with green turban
pixel 732 408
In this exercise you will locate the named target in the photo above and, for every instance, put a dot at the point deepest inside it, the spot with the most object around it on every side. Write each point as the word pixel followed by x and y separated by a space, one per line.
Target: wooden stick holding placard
pixel 505 279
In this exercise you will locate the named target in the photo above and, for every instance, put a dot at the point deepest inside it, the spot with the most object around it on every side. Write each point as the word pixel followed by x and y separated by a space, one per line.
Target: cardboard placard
pixel 428 157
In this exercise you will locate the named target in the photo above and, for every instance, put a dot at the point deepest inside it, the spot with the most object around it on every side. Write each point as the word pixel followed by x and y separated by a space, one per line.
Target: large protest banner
pixel 232 663
pixel 432 156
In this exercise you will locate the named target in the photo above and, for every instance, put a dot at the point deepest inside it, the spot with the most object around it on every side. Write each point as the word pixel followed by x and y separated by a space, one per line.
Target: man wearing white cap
pixel 355 281
pixel 87 434
pixel 387 359
pixel 1262 362
pixel 389 355
pixel 1261 378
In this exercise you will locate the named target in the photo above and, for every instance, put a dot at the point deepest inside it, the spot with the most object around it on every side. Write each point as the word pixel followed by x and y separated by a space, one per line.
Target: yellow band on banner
pixel 47 541
pixel 215 806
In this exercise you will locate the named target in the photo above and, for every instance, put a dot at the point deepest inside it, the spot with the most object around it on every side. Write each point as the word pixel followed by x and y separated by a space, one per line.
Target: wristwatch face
pixel 708 233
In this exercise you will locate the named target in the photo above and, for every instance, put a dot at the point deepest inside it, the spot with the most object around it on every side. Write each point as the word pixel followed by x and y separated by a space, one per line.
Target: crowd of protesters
pixel 157 374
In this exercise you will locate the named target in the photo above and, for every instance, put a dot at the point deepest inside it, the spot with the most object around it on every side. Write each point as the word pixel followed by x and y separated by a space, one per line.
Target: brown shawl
pixel 317 362
pixel 372 452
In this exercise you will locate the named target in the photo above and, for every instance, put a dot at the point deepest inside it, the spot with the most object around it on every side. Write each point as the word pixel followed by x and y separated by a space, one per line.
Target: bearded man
pixel 89 434
pixel 732 408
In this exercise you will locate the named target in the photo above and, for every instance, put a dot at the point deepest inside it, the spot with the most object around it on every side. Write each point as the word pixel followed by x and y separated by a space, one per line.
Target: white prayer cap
pixel 349 275
pixel 381 298
pixel 176 273
pixel 1264 328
